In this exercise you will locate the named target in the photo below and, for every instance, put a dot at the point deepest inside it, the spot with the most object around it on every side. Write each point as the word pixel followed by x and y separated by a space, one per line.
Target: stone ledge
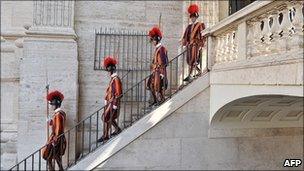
pixel 255 62
pixel 254 132
pixel 249 11
pixel 13 33
pixel 12 79
pixel 51 32
pixel 143 125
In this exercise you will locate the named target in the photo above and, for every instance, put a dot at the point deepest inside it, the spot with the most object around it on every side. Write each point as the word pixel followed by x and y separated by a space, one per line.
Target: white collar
pixel 57 110
pixel 114 75
pixel 194 22
pixel 158 45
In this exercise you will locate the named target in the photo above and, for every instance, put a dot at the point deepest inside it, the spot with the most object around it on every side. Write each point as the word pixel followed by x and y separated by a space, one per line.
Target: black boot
pixel 102 139
pixel 152 103
pixel 116 132
pixel 187 79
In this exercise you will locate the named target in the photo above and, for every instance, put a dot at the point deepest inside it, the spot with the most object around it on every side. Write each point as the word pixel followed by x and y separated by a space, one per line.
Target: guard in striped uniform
pixel 158 81
pixel 56 145
pixel 112 101
pixel 194 41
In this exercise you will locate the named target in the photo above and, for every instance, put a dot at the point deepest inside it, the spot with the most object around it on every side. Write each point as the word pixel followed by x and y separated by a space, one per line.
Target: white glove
pixel 48 119
pixel 105 102
pixel 114 107
pixel 162 76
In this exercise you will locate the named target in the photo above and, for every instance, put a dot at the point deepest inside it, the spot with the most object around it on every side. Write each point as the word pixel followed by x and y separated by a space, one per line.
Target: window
pixel 236 5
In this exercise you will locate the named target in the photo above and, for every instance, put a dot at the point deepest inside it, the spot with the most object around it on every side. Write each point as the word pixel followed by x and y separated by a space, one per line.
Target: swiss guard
pixel 194 41
pixel 112 101
pixel 56 145
pixel 158 83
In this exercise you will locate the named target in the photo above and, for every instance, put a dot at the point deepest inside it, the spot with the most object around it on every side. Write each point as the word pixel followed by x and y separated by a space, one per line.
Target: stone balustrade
pixel 262 30
pixel 226 47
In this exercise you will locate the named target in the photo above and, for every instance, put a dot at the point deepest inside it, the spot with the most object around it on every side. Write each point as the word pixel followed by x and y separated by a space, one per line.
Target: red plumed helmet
pixel 109 61
pixel 193 9
pixel 154 32
pixel 55 95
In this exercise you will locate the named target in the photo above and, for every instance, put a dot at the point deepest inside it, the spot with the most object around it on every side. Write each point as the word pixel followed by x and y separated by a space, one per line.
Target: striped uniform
pixel 57 148
pixel 113 92
pixel 159 64
pixel 193 39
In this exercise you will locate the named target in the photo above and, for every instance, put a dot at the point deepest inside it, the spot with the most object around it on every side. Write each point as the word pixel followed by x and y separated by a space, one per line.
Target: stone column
pixel 50 56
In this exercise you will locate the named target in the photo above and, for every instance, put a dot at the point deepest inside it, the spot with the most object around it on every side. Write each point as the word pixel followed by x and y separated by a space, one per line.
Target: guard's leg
pixel 105 135
pixel 117 129
pixel 157 87
pixel 190 61
pixel 50 164
pixel 153 91
pixel 59 162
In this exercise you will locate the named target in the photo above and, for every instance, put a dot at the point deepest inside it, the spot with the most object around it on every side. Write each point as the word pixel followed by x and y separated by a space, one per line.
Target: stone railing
pixel 226 47
pixel 269 29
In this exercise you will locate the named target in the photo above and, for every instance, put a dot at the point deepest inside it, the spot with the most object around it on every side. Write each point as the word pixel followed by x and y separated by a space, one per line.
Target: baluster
pixel 228 52
pixel 263 45
pixel 256 37
pixel 297 41
pixel 275 32
pixel 250 38
pixel 234 39
pixel 219 49
pixel 291 12
pixel 298 18
pixel 286 26
pixel 267 33
pixel 227 46
pixel 222 48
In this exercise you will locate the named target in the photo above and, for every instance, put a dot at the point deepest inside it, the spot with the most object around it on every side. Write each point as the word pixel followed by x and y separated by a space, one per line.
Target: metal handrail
pixel 129 116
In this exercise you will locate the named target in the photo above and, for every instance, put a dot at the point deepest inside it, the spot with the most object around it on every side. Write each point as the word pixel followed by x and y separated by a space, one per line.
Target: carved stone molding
pixel 53 19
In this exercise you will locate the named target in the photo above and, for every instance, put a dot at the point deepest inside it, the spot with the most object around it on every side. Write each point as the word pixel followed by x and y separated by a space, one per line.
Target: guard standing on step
pixel 158 81
pixel 112 101
pixel 194 41
pixel 56 145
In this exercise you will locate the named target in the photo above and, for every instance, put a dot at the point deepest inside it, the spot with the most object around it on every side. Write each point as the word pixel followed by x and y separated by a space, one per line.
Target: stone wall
pixel 9 103
pixel 49 57
pixel 14 16
pixel 181 142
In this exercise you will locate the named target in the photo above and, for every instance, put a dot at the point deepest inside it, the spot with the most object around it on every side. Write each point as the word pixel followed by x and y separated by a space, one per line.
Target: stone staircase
pixel 138 127
pixel 135 110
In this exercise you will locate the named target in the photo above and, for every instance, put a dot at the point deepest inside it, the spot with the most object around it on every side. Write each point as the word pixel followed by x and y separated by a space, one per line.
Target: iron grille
pixel 132 49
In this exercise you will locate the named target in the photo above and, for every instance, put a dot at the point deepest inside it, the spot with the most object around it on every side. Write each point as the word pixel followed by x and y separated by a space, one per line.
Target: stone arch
pixel 260 111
